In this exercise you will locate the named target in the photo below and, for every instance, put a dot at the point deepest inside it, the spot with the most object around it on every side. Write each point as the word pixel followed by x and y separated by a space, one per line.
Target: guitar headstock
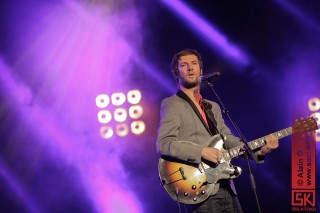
pixel 304 125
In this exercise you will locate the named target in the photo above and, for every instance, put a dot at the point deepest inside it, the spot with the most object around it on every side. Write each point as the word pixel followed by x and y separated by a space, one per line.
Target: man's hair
pixel 176 57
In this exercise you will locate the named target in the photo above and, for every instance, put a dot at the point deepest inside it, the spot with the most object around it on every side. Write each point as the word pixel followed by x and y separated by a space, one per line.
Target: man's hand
pixel 212 154
pixel 272 142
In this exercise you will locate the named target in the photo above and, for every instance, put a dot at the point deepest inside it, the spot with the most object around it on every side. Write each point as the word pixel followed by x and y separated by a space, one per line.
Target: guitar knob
pixel 186 194
pixel 194 187
pixel 194 199
pixel 163 182
pixel 203 192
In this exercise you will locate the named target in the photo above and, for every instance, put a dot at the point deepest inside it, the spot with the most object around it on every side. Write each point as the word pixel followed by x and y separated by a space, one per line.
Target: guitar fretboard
pixel 238 150
pixel 261 141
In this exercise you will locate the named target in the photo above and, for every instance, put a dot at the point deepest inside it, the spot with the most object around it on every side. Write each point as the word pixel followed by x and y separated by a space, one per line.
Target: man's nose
pixel 190 67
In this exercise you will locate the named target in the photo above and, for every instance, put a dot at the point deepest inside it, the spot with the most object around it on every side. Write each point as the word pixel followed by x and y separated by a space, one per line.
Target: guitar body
pixel 184 183
pixel 192 183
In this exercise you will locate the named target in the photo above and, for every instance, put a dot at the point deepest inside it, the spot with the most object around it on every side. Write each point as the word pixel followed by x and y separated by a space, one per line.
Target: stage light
pixel 106 132
pixel 135 112
pixel 104 116
pixel 314 107
pixel 314 104
pixel 122 130
pixel 138 127
pixel 120 114
pixel 118 98
pixel 316 116
pixel 102 100
pixel 134 96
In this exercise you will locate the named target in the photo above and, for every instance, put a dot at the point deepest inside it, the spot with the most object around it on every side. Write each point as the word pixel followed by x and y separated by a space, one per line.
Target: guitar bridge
pixel 182 173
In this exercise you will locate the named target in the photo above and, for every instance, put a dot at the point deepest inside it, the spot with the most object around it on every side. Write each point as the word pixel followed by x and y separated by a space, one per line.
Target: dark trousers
pixel 222 201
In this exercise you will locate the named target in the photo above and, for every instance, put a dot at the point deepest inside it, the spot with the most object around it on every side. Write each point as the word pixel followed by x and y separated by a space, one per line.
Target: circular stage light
pixel 316 116
pixel 106 132
pixel 134 96
pixel 122 130
pixel 118 98
pixel 135 112
pixel 314 104
pixel 102 100
pixel 104 116
pixel 120 114
pixel 138 127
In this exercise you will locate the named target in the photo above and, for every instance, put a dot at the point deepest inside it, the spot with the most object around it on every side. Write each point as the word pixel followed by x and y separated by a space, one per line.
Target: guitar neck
pixel 261 141
pixel 303 126
pixel 237 151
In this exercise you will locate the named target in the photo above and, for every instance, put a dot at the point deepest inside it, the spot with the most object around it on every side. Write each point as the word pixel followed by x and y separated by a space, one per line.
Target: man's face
pixel 189 71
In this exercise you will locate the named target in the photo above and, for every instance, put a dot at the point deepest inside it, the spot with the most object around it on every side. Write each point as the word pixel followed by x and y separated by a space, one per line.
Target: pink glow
pixel 78 54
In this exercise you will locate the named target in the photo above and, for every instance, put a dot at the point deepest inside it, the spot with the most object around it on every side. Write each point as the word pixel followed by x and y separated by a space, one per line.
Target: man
pixel 187 125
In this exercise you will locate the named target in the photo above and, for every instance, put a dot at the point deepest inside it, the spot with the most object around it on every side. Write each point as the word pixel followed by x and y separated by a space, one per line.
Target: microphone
pixel 209 78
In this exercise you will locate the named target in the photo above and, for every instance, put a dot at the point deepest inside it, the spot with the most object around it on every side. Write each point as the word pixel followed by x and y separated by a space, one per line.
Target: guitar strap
pixel 212 129
pixel 210 117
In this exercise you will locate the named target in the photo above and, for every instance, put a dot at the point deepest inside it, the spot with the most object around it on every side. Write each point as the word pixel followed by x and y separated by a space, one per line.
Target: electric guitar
pixel 193 183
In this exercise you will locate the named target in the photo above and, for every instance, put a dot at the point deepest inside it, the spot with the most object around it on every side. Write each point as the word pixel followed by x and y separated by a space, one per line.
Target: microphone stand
pixel 226 112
